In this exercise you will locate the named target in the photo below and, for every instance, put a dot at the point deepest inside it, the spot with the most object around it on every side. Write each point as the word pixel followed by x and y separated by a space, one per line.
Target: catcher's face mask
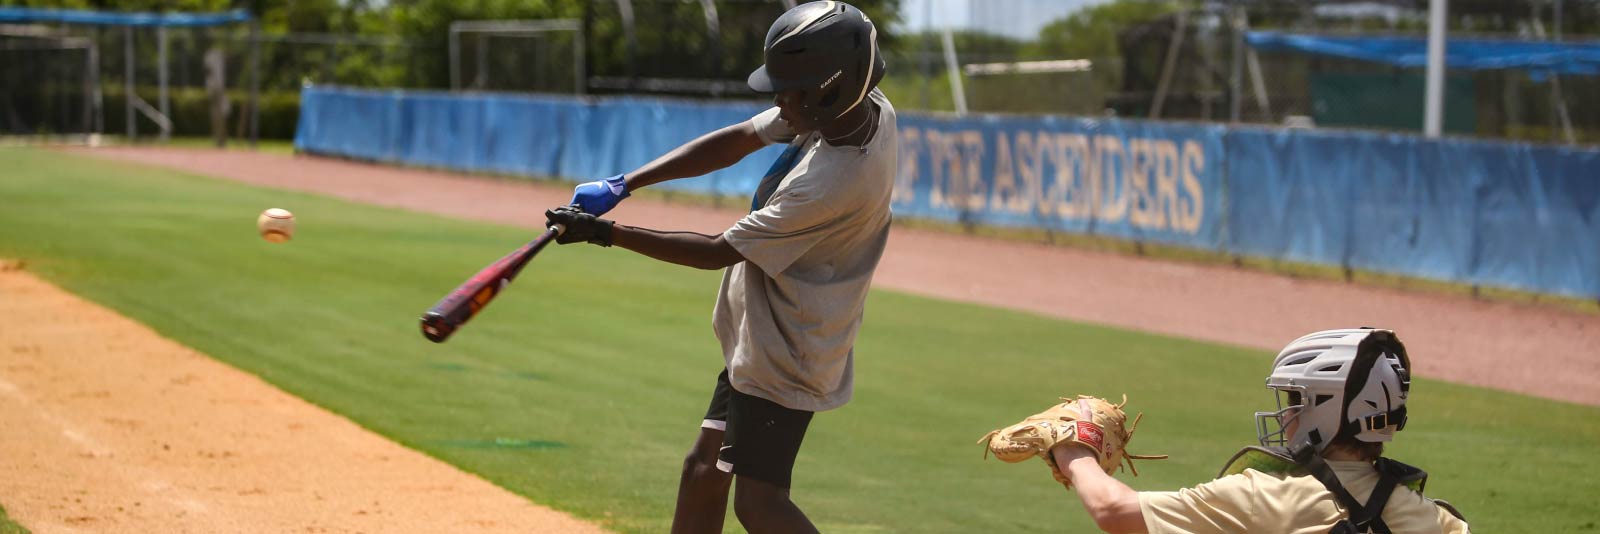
pixel 1272 428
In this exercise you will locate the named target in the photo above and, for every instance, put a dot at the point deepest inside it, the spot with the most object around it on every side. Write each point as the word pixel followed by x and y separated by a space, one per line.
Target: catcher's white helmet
pixel 1337 382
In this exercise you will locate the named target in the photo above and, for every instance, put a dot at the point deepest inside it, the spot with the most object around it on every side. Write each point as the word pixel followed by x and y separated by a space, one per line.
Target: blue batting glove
pixel 598 197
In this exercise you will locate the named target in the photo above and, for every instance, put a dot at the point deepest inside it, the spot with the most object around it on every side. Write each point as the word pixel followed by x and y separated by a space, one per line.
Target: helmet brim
pixel 760 82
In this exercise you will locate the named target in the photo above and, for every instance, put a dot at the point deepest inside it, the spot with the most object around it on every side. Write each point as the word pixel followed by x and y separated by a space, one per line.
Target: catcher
pixel 1340 393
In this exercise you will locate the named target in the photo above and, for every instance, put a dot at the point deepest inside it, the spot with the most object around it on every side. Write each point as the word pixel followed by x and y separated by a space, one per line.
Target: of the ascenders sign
pixel 1123 178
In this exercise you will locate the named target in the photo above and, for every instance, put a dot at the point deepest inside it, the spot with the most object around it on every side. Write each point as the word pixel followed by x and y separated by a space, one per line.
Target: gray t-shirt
pixel 787 317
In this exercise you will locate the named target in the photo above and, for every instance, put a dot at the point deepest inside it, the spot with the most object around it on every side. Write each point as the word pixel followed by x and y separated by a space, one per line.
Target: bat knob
pixel 435 328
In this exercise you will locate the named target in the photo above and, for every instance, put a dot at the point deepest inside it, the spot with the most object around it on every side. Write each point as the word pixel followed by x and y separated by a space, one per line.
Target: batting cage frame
pixel 488 29
pixel 33 19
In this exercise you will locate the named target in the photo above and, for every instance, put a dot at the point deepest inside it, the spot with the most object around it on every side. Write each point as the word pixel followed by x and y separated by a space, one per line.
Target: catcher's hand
pixel 1086 421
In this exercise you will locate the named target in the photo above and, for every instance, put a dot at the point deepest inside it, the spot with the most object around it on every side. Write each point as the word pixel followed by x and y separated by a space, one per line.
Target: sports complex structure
pixel 1104 197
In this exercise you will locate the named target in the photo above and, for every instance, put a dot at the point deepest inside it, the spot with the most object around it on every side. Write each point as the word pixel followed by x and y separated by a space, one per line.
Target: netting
pixel 1170 60
pixel 534 56
pixel 45 88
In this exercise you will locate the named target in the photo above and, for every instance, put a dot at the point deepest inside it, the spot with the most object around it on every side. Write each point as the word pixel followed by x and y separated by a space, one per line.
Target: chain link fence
pixel 1155 59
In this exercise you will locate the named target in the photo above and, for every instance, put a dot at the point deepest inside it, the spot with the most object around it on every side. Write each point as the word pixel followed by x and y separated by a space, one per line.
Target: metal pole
pixel 1557 32
pixel 924 59
pixel 1236 76
pixel 255 82
pixel 455 56
pixel 1257 81
pixel 579 70
pixel 480 79
pixel 127 81
pixel 1433 105
pixel 625 10
pixel 956 90
pixel 161 76
pixel 99 94
pixel 1555 85
pixel 714 36
pixel 1173 46
pixel 91 85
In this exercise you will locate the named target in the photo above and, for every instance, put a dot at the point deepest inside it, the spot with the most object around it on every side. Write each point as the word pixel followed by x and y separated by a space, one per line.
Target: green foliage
pixel 584 392
pixel 910 90
pixel 973 46
pixel 1092 32
pixel 672 36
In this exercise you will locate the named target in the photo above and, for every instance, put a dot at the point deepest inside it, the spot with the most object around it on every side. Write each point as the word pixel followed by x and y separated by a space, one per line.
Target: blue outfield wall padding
pixel 1496 214
pixel 121 18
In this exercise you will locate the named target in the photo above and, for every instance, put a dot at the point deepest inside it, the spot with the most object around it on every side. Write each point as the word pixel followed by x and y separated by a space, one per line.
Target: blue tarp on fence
pixel 1539 57
pixel 520 134
pixel 121 18
pixel 1495 214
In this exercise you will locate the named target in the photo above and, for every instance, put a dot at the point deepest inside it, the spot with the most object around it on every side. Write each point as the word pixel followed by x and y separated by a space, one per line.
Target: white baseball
pixel 276 225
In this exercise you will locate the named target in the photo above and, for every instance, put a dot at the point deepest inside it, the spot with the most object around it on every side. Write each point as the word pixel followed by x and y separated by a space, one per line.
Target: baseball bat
pixel 469 298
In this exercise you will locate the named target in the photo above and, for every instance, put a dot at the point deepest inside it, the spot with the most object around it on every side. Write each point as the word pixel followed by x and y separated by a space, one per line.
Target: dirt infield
pixel 107 427
pixel 1527 349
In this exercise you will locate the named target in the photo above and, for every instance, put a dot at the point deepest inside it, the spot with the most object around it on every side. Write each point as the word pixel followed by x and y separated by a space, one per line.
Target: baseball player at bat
pixel 1320 467
pixel 797 267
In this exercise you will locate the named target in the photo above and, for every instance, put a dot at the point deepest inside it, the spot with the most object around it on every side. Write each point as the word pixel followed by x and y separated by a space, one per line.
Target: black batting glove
pixel 581 227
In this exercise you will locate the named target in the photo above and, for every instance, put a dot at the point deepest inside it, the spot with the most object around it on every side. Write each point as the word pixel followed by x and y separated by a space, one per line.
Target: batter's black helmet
pixel 829 50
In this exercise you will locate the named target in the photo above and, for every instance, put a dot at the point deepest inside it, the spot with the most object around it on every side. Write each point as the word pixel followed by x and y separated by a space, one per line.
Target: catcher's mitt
pixel 1087 421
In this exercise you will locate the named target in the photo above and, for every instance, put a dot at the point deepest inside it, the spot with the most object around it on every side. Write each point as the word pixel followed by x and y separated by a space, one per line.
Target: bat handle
pixel 558 228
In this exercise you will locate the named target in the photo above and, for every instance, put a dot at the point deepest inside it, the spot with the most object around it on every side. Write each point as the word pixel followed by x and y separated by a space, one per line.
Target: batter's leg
pixel 766 509
pixel 703 489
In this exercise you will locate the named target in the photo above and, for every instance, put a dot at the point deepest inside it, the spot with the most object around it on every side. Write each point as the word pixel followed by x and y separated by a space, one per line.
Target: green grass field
pixel 583 386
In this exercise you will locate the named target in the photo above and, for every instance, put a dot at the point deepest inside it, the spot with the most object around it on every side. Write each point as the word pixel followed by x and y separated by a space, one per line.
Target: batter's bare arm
pixel 683 248
pixel 709 152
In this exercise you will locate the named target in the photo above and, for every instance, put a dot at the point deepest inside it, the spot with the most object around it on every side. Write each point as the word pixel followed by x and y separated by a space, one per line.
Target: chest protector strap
pixel 1362 519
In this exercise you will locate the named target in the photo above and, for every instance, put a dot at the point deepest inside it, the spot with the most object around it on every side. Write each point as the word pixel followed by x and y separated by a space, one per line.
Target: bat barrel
pixel 455 309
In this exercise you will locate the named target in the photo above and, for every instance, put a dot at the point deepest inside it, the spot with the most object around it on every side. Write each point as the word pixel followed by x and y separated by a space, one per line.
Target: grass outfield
pixel 583 386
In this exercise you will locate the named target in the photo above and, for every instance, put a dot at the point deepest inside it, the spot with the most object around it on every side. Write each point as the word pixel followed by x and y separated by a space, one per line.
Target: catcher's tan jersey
pixel 787 317
pixel 1253 501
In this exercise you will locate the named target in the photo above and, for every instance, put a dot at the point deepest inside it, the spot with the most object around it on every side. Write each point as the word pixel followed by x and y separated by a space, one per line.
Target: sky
pixel 1015 18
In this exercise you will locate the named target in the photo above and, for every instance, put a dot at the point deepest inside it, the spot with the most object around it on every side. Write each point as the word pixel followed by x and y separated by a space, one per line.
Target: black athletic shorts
pixel 760 438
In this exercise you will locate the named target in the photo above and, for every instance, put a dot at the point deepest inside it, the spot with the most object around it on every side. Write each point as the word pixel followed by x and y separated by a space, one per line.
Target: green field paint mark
pixel 525 375
pixel 500 443
pixel 447 366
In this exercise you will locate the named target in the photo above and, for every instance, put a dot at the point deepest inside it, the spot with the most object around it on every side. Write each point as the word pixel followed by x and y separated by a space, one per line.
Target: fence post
pixel 956 91
pixel 1236 72
pixel 161 77
pixel 255 81
pixel 91 87
pixel 127 82
pixel 455 56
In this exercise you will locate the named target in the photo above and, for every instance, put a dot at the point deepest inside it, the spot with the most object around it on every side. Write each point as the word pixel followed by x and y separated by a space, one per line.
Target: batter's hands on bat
pixel 598 197
pixel 581 227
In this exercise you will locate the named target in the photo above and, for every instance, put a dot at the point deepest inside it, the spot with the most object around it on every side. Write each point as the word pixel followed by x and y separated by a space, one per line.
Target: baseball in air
pixel 276 225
